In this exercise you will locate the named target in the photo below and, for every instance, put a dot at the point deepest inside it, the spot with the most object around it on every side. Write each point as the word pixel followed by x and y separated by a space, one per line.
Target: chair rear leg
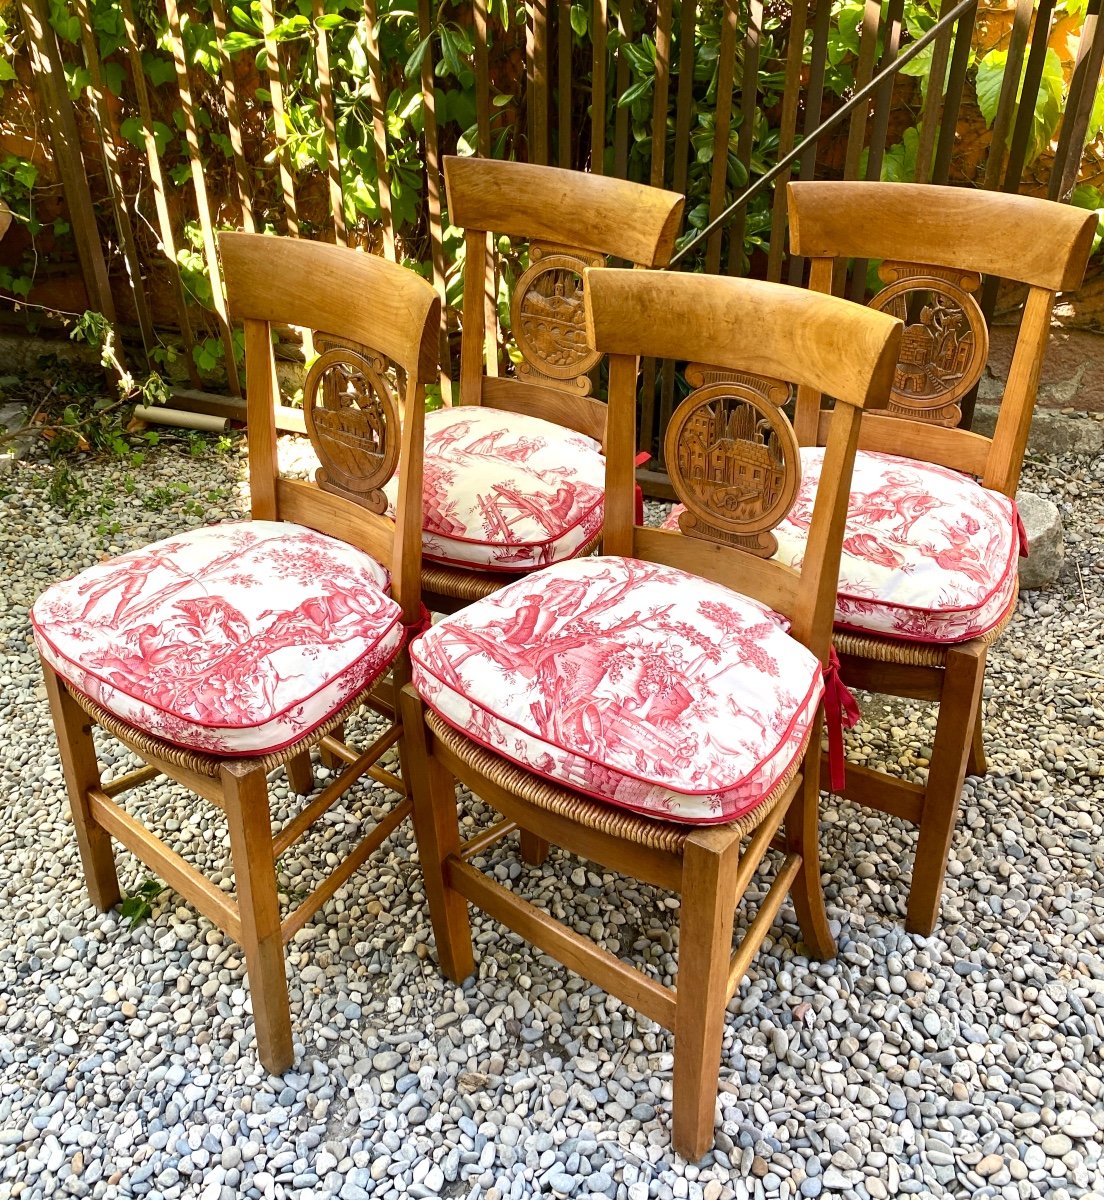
pixel 976 764
pixel 701 996
pixel 962 682
pixel 245 791
pixel 300 773
pixel 82 774
pixel 803 838
pixel 437 831
pixel 534 849
pixel 330 760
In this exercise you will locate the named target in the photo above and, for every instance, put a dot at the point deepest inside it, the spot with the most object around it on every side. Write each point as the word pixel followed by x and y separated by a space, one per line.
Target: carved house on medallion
pixel 553 318
pixel 732 458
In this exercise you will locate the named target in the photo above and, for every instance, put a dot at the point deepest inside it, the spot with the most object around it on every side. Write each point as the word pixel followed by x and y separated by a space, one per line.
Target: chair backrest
pixel 375 325
pixel 731 453
pixel 936 244
pixel 572 221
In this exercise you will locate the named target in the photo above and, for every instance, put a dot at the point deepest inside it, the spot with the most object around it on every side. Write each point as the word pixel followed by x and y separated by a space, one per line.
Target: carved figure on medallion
pixel 353 422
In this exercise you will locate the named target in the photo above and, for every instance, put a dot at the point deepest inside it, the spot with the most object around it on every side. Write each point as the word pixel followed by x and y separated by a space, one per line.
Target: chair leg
pixel 534 849
pixel 300 773
pixel 803 838
pixel 705 949
pixel 247 817
pixel 82 774
pixel 958 704
pixel 976 764
pixel 437 831
pixel 330 760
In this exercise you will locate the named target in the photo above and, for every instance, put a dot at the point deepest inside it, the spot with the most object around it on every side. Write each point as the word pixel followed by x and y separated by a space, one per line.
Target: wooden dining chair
pixel 219 654
pixel 928 577
pixel 647 708
pixel 514 473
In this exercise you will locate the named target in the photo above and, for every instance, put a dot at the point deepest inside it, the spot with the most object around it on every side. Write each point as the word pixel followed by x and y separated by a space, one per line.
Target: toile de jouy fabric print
pixel 506 492
pixel 929 555
pixel 632 682
pixel 233 639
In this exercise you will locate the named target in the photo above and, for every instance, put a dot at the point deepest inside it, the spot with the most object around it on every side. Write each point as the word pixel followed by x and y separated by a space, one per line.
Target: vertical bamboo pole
pixel 433 194
pixel 536 79
pixel 599 24
pixel 794 55
pixel 956 81
pixel 107 128
pixel 814 99
pixel 233 118
pixel 279 117
pixel 1079 104
pixel 199 184
pixel 563 84
pixel 329 124
pixel 379 127
pixel 749 85
pixel 160 198
pixel 625 10
pixel 49 75
pixel 722 117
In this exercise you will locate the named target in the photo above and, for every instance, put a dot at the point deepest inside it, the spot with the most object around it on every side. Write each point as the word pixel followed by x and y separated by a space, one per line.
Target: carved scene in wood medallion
pixel 353 422
pixel 945 345
pixel 733 459
pixel 548 320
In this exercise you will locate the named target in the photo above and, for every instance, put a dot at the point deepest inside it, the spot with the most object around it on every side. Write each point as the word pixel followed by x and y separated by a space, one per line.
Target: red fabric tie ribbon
pixel 419 625
pixel 639 461
pixel 840 709
pixel 1021 533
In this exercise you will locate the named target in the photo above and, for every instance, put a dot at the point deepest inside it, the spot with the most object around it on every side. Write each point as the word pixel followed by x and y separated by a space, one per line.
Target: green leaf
pixel 580 20
pixel 1048 102
pixel 635 92
pixel 414 62
pixel 236 42
pixel 1088 197
pixel 330 21
pixel 7 71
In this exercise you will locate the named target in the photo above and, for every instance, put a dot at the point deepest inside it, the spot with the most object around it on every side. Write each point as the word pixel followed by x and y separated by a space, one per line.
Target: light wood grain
pixel 745 324
pixel 589 212
pixel 965 228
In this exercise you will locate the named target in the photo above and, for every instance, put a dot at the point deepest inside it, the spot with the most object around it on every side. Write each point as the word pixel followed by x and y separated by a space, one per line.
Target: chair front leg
pixel 705 948
pixel 82 775
pixel 437 830
pixel 245 792
pixel 958 705
pixel 803 839
pixel 976 764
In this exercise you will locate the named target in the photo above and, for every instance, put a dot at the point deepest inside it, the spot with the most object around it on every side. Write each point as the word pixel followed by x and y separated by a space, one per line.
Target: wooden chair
pixel 646 708
pixel 928 575
pixel 222 653
pixel 514 473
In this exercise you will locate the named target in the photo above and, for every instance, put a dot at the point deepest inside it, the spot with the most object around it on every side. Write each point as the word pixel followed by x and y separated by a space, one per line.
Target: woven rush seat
pixel 507 492
pixel 929 555
pixel 634 683
pixel 238 639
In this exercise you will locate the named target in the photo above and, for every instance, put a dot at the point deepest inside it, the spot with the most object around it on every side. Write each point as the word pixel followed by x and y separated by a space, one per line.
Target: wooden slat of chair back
pixel 732 431
pixel 594 213
pixel 952 237
pixel 1032 241
pixel 364 397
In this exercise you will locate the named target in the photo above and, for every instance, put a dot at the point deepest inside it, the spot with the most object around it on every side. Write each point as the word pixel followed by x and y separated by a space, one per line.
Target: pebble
pixel 969 1061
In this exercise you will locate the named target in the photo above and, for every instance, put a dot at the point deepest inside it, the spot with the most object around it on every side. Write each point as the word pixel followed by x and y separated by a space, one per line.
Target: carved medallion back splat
pixel 353 422
pixel 946 342
pixel 548 319
pixel 733 459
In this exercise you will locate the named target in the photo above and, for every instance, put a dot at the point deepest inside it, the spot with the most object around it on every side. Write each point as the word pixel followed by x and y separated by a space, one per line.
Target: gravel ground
pixel 967 1064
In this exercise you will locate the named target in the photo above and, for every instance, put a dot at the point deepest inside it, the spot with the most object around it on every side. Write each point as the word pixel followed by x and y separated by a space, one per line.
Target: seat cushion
pixel 929 555
pixel 505 492
pixel 235 639
pixel 634 683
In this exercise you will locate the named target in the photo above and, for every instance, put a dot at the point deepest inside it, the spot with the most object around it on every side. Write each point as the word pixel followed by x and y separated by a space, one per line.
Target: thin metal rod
pixel 835 119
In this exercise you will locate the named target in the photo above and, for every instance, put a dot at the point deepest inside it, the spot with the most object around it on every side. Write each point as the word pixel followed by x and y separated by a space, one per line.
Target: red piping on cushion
pixel 418 626
pixel 638 515
pixel 840 709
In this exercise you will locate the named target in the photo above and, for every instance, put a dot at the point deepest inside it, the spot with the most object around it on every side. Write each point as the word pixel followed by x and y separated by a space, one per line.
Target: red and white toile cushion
pixel 236 639
pixel 506 492
pixel 635 683
pixel 929 555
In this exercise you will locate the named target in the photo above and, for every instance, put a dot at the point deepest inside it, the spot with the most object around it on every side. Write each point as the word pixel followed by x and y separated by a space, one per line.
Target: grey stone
pixel 1046 538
